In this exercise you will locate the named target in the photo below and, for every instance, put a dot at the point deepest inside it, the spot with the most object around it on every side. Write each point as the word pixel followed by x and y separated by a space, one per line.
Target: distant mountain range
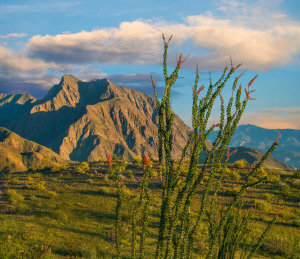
pixel 288 150
pixel 83 121
pixel 18 154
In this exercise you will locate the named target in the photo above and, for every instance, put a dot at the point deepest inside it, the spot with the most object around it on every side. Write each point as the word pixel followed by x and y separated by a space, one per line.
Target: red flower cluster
pixel 200 89
pixel 146 160
pixel 166 42
pixel 109 159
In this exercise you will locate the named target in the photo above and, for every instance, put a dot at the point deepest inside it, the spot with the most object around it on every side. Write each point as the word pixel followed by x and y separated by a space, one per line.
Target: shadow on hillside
pixel 99 192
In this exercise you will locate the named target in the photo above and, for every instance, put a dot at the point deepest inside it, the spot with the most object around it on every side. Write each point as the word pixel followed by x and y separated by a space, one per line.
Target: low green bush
pixel 240 163
pixel 14 181
pixel 58 168
pixel 262 205
pixel 231 174
pixel 232 192
pixel 14 197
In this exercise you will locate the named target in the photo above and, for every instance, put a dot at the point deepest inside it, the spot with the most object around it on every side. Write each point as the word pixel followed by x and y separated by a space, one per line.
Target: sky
pixel 121 40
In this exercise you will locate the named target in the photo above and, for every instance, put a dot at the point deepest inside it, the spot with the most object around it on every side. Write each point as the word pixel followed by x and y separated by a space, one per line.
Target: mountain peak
pixel 68 78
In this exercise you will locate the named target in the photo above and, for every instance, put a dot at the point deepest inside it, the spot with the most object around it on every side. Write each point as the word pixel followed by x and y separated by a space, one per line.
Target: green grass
pixel 71 215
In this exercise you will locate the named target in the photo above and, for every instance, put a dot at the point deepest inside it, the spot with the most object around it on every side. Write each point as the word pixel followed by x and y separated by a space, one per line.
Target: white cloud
pixel 139 42
pixel 13 60
pixel 13 35
pixel 132 43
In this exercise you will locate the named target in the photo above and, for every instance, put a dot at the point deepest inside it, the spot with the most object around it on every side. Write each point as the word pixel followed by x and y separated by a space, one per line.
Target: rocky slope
pixel 288 150
pixel 85 120
pixel 18 154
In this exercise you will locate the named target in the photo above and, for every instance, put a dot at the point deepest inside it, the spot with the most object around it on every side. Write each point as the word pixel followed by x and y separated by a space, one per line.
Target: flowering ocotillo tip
pixel 152 80
pixel 248 96
pixel 252 80
pixel 231 63
pixel 278 211
pixel 241 74
pixel 197 70
pixel 205 98
pixel 237 66
pixel 277 136
pixel 200 89
pixel 228 151
pixel 164 39
pixel 222 100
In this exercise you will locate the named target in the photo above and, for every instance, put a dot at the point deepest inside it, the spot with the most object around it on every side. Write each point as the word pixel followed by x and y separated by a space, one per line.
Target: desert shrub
pixel 30 170
pixel 61 214
pixel 40 185
pixel 296 222
pixel 22 209
pixel 262 205
pixel 138 161
pixel 37 175
pixel 268 196
pixel 37 251
pixel 50 194
pixel 262 173
pixel 14 181
pixel 232 192
pixel 286 246
pixel 296 183
pixel 240 163
pixel 85 166
pixel 296 174
pixel 273 178
pixel 285 191
pixel 79 170
pixel 105 190
pixel 14 197
pixel 154 173
pixel 119 168
pixel 231 174
pixel 57 168
pixel 29 178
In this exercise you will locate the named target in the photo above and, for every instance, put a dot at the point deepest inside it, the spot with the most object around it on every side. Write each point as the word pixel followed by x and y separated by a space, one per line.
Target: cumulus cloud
pixel 139 42
pixel 13 60
pixel 134 42
pixel 13 35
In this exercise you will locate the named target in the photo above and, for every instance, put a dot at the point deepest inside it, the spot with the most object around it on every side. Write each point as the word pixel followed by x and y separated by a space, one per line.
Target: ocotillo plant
pixel 177 224
pixel 179 217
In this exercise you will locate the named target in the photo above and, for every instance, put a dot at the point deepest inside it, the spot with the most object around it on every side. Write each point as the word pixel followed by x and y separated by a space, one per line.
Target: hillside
pixel 46 215
pixel 18 154
pixel 85 120
pixel 253 156
pixel 288 150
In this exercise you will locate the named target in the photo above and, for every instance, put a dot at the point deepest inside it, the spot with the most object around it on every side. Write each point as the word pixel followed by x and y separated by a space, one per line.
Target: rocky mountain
pixel 85 120
pixel 18 154
pixel 288 150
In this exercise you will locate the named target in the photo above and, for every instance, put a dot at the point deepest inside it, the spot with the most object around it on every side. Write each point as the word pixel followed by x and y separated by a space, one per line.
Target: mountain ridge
pixel 80 119
pixel 18 154
pixel 85 120
pixel 251 136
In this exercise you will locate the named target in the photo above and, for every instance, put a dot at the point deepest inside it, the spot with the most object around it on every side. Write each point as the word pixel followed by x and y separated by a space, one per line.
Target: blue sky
pixel 121 40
